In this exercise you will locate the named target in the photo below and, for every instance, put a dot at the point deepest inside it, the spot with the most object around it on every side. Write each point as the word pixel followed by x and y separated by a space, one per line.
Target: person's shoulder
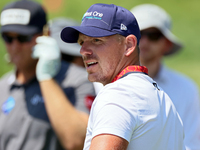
pixel 135 80
pixel 6 77
pixel 128 86
pixel 180 78
pixel 72 72
pixel 111 94
pixel 77 71
pixel 71 69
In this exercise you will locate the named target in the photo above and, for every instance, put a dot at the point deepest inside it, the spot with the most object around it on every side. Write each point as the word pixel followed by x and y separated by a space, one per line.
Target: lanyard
pixel 131 69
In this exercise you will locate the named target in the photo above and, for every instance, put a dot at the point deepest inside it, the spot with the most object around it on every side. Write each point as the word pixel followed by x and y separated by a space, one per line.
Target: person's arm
pixel 68 123
pixel 108 142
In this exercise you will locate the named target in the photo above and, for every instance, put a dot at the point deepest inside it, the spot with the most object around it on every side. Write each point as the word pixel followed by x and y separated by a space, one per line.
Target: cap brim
pixel 67 48
pixel 21 29
pixel 177 45
pixel 70 34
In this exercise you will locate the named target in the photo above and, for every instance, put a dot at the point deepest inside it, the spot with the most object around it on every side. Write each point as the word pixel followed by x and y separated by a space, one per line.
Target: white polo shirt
pixel 137 111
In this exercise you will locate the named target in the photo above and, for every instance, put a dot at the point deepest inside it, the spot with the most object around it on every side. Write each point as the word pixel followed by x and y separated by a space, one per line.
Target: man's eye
pixel 80 43
pixel 96 40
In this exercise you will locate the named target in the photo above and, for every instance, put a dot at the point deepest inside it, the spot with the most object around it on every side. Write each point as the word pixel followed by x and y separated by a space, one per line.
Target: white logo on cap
pixel 123 27
pixel 15 16
pixel 95 14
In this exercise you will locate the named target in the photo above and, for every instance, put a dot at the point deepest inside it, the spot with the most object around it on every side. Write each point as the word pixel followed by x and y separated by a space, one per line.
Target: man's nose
pixel 15 44
pixel 86 49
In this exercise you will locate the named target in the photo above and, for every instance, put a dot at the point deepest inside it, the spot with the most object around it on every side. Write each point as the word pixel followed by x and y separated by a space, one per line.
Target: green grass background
pixel 185 15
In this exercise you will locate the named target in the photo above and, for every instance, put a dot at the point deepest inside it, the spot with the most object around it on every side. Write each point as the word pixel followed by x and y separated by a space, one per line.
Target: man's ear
pixel 131 43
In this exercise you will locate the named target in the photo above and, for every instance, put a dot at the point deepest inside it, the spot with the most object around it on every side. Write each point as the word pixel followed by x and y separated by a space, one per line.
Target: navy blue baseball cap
pixel 102 20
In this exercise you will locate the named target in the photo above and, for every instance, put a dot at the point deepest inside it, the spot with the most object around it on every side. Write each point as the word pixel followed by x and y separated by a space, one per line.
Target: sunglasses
pixel 20 38
pixel 152 36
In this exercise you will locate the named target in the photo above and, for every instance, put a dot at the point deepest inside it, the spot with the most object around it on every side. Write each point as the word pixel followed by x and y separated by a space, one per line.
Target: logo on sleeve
pixel 8 105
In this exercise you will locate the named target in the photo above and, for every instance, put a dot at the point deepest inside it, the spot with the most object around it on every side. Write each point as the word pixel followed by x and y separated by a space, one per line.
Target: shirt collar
pixel 134 68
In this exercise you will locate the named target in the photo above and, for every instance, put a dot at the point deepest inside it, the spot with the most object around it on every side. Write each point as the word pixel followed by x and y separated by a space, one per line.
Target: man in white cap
pixel 156 42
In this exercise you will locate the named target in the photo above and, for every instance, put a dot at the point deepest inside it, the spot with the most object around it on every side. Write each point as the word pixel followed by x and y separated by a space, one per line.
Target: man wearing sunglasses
pixel 30 120
pixel 156 42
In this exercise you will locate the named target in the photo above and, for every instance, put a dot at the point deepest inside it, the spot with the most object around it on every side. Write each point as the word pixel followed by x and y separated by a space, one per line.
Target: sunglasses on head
pixel 20 38
pixel 152 36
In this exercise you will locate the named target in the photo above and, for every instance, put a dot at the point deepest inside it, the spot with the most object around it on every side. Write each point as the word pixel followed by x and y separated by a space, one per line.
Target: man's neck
pixel 23 76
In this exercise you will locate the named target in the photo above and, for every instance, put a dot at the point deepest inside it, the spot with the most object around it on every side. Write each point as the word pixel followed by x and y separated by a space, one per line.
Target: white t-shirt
pixel 184 94
pixel 134 109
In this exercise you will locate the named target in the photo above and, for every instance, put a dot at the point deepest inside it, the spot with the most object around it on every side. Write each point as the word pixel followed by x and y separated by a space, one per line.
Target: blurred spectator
pixel 33 116
pixel 70 52
pixel 158 41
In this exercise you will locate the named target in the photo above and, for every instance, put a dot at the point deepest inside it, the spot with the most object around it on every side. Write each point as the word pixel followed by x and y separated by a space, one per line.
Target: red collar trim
pixel 128 69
